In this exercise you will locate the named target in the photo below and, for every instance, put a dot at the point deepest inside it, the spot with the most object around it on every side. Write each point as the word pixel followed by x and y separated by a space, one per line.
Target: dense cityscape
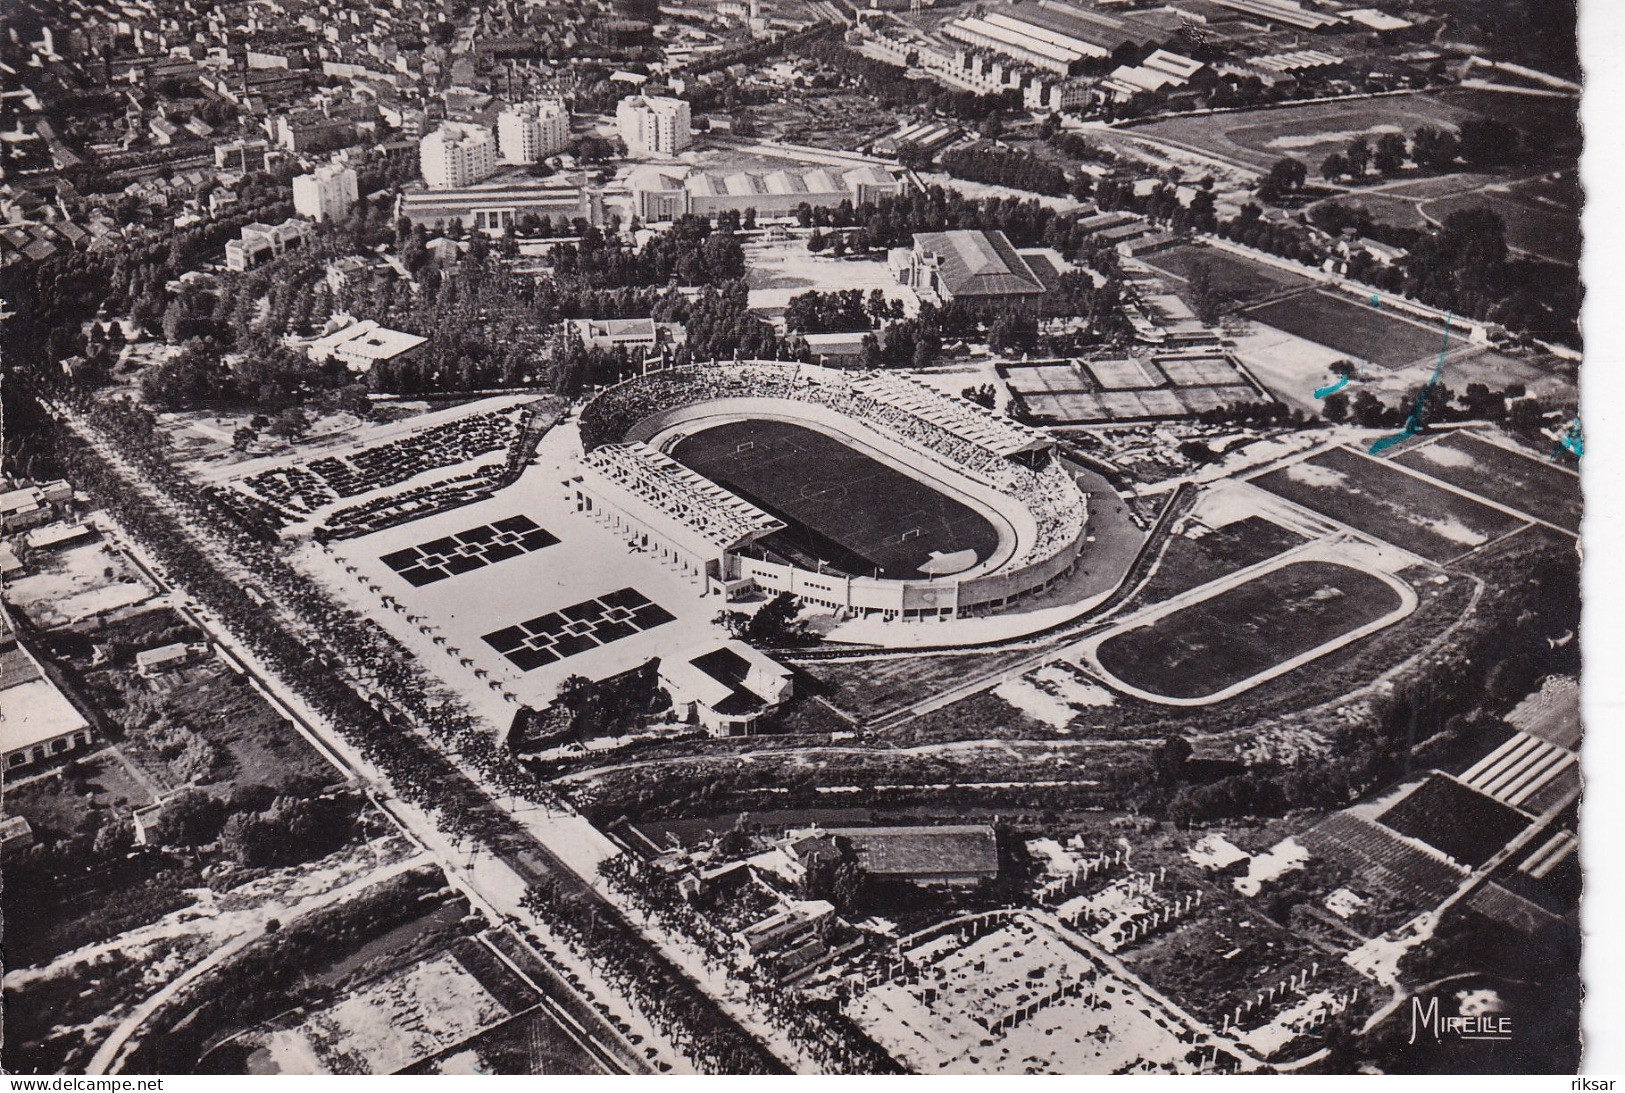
pixel 788 537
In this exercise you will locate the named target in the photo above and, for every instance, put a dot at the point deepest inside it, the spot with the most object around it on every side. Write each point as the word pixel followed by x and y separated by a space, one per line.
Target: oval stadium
pixel 865 493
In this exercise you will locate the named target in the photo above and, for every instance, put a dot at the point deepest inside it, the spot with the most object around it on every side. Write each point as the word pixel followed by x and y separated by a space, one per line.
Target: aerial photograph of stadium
pixel 790 537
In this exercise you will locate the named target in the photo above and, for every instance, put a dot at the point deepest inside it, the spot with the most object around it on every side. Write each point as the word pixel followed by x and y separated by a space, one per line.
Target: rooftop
pixel 979 263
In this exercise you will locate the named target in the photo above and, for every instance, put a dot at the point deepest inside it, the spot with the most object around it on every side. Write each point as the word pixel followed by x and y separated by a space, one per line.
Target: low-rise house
pixel 154 662
pixel 39 723
pixel 726 687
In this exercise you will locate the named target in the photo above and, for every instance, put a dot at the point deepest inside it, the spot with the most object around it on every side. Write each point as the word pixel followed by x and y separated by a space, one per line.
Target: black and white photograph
pixel 794 537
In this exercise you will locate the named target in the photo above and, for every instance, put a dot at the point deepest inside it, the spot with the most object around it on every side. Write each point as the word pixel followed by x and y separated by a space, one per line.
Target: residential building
pixel 327 193
pixel 531 131
pixel 457 154
pixel 40 723
pixel 653 125
pixel 152 662
pixel 262 242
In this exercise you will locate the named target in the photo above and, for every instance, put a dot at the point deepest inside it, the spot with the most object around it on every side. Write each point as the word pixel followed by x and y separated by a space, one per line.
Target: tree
pixel 1358 157
pixel 1335 406
pixel 1487 142
pixel 244 438
pixel 1285 177
pixel 1435 149
pixel 190 818
pixel 1526 415
pixel 1334 166
pixel 1012 333
pixel 1390 154
pixel 290 424
pixel 1205 299
pixel 1368 411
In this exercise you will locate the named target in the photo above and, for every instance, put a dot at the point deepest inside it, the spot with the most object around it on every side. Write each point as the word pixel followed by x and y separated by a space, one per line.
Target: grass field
pixel 1517 481
pixel 1245 630
pixel 1308 131
pixel 1233 277
pixel 1188 563
pixel 1359 330
pixel 1536 229
pixel 1388 504
pixel 1463 823
pixel 843 508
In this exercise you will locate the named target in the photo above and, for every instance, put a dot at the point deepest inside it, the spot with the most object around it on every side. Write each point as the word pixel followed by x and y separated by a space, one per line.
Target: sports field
pixel 1521 482
pixel 843 508
pixel 1361 331
pixel 1308 131
pixel 1386 503
pixel 1248 629
pixel 1233 277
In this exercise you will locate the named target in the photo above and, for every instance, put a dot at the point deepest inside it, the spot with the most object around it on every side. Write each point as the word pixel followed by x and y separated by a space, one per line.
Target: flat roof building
pixel 37 722
pixel 361 345
pixel 726 687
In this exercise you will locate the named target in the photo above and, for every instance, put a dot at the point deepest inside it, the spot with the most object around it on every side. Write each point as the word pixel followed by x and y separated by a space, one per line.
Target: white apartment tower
pixel 653 125
pixel 532 131
pixel 457 155
pixel 326 193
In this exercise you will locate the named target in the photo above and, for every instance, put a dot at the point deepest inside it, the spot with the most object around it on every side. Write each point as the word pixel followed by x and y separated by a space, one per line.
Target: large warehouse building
pixel 660 194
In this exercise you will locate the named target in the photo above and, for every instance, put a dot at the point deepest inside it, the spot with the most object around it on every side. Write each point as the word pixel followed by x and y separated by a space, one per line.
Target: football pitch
pixel 1358 330
pixel 843 508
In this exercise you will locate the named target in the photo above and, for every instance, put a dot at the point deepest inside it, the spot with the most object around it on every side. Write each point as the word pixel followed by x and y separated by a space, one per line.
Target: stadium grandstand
pixel 1001 470
pixel 689 519
pixel 958 416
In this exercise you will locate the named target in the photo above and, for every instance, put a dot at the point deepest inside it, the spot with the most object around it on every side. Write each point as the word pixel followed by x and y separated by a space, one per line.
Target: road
pixel 508 861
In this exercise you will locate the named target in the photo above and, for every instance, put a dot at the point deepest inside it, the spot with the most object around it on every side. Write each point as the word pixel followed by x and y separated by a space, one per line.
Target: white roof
pixel 34 712
pixel 20 500
pixel 365 342
pixel 1377 20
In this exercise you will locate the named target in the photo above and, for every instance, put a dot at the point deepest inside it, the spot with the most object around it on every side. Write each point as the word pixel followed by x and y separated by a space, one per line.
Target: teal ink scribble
pixel 1572 441
pixel 1332 389
pixel 1376 301
pixel 1413 423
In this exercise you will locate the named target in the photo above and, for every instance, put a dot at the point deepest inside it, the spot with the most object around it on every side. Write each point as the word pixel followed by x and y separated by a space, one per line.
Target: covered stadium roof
pixel 670 490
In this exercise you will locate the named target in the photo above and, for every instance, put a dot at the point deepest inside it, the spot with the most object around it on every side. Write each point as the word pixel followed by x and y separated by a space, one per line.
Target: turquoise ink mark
pixel 1572 441
pixel 1376 301
pixel 1413 423
pixel 1342 382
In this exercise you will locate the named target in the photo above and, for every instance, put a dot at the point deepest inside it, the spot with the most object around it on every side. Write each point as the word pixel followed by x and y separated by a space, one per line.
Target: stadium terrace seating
pixel 716 515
